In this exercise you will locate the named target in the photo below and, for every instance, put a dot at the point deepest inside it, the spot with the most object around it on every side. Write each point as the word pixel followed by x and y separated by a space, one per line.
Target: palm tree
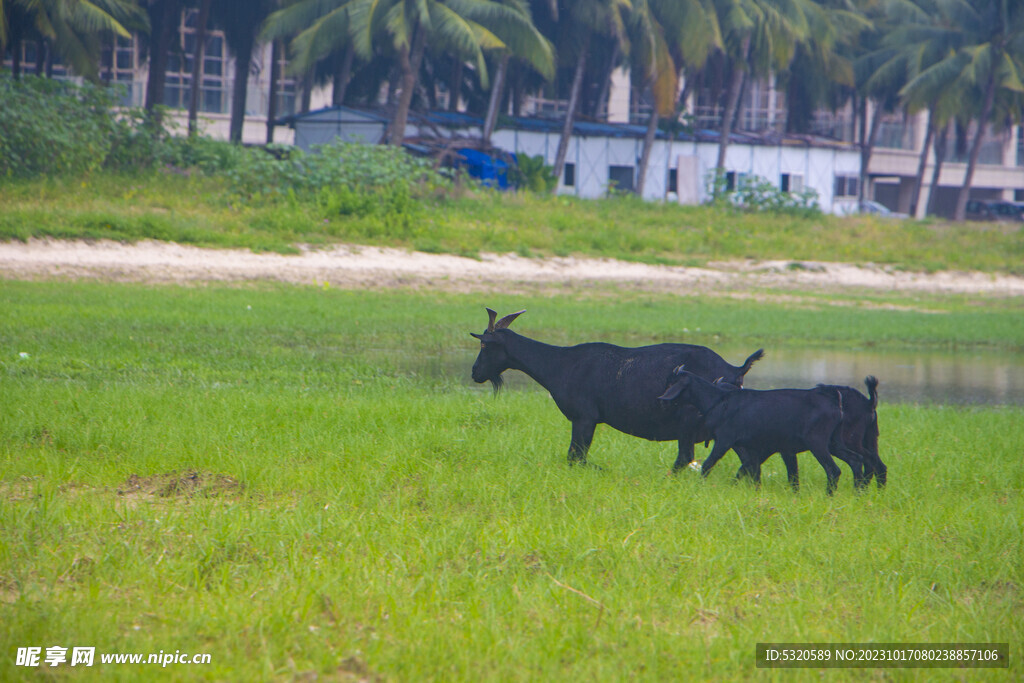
pixel 654 66
pixel 822 74
pixel 760 36
pixel 584 22
pixel 318 31
pixel 977 58
pixel 530 47
pixel 197 66
pixel 74 29
pixel 241 23
pixel 164 16
pixel 465 28
pixel 984 59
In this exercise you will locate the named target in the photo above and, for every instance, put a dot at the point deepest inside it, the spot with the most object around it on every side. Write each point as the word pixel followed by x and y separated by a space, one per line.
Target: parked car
pixel 1010 211
pixel 981 210
pixel 995 210
pixel 873 208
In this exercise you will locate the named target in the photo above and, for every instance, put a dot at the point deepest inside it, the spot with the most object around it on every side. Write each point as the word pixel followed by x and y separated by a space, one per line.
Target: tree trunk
pixel 240 88
pixel 14 42
pixel 197 67
pixel 42 54
pixel 570 117
pixel 409 60
pixel 342 76
pixel 941 140
pixel 986 109
pixel 681 98
pixel 164 17
pixel 645 155
pixel 307 91
pixel 602 96
pixel 732 102
pixel 275 75
pixel 497 90
pixel 867 148
pixel 861 107
pixel 922 163
pixel 455 87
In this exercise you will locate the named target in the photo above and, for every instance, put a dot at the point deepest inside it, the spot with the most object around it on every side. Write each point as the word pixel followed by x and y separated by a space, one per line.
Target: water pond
pixel 972 378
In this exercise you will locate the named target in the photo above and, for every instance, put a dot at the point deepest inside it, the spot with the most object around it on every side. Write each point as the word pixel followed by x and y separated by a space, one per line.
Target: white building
pixel 605 156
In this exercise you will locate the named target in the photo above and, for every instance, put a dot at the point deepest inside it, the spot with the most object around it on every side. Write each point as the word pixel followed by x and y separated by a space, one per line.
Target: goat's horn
pixel 490 323
pixel 507 320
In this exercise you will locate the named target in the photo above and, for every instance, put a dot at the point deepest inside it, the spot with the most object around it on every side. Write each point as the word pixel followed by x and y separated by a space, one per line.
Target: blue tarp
pixel 492 172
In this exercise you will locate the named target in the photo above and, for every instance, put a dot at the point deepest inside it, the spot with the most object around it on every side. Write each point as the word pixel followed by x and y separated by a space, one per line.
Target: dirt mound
pixel 180 484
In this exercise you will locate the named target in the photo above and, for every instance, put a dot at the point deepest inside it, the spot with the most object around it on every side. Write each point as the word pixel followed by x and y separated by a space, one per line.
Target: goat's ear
pixel 507 320
pixel 672 392
pixel 478 336
pixel 491 315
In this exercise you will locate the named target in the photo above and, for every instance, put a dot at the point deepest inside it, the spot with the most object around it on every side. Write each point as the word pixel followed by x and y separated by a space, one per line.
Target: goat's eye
pixel 483 346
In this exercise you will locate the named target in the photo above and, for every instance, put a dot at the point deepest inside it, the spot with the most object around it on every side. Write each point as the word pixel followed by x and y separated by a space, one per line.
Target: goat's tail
pixel 871 382
pixel 747 364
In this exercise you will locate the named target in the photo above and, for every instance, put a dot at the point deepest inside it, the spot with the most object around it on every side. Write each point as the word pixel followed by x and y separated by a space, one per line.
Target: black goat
pixel 858 432
pixel 759 423
pixel 859 429
pixel 603 383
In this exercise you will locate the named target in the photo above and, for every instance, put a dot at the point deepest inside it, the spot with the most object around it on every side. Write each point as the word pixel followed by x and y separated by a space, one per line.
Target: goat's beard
pixel 497 382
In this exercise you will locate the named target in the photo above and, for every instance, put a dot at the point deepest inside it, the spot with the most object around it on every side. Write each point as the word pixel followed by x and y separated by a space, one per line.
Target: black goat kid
pixel 759 423
pixel 602 383
pixel 858 432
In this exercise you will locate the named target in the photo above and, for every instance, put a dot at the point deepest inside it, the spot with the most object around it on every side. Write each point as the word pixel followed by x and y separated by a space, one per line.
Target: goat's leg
pixel 792 470
pixel 832 470
pixel 870 443
pixel 750 464
pixel 720 449
pixel 880 471
pixel 685 456
pixel 582 435
pixel 854 460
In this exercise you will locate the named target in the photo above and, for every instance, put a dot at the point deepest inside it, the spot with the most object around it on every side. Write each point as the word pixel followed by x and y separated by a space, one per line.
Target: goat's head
pixel 680 382
pixel 493 358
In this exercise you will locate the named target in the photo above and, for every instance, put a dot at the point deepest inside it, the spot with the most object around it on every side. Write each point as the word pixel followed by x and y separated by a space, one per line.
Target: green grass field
pixel 301 482
pixel 204 211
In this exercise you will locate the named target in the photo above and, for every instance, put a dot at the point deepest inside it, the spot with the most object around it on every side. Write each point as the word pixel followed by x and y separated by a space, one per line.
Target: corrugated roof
pixel 583 128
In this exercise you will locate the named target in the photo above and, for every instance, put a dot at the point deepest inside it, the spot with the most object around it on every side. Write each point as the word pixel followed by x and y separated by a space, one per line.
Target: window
pixel 734 180
pixel 845 186
pixel 621 178
pixel 569 176
pixel 177 87
pixel 673 180
pixel 286 88
pixel 117 66
pixel 43 61
pixel 791 182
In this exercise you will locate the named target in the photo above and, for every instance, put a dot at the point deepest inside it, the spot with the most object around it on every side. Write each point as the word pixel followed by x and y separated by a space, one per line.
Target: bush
pixel 53 127
pixel 532 174
pixel 754 194
pixel 362 168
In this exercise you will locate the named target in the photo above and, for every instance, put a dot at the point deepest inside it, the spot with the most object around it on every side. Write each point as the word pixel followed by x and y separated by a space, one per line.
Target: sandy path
pixel 375 267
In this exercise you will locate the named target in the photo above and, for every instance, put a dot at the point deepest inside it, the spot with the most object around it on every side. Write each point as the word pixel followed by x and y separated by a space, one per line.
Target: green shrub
pixel 532 174
pixel 756 194
pixel 362 168
pixel 52 127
